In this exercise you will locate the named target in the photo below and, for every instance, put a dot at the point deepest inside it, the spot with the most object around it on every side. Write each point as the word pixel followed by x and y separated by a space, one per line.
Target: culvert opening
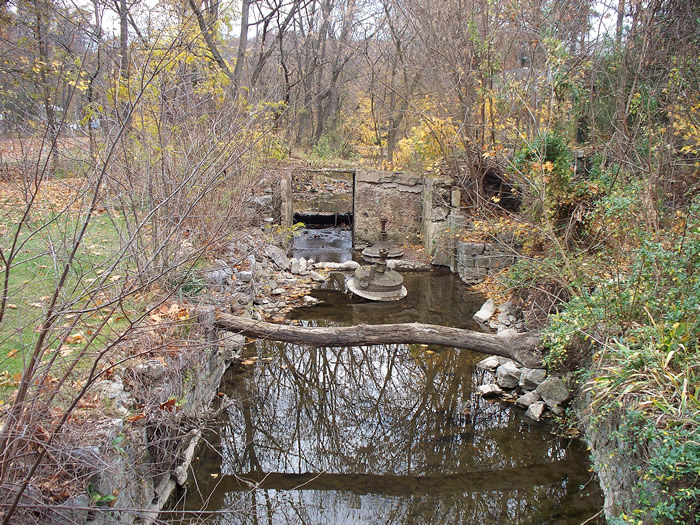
pixel 325 220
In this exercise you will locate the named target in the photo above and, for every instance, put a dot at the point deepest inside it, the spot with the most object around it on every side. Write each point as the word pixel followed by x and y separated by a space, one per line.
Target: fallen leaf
pixel 115 278
pixel 136 417
pixel 12 353
pixel 247 362
pixel 74 338
pixel 37 305
pixel 12 306
pixel 168 405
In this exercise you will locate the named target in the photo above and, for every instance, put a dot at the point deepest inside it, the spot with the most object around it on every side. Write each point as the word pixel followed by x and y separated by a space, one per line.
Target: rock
pixel 508 375
pixel 110 389
pixel 489 390
pixel 505 308
pixel 278 256
pixel 153 370
pixel 251 264
pixel 485 312
pixel 294 267
pixel 217 277
pixel 278 291
pixel 74 510
pixel 308 300
pixel 408 266
pixel 535 410
pixel 531 378
pixel 491 363
pixel 504 318
pixel 553 391
pixel 527 399
pixel 345 266
pixel 507 333
pixel 317 277
pixel 245 276
pixel 302 265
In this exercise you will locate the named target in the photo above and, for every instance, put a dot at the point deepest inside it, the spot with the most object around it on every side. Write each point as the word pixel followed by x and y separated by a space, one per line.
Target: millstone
pixel 376 283
pixel 382 244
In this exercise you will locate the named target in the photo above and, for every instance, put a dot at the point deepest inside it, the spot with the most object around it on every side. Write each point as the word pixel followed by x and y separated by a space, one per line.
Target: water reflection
pixel 382 434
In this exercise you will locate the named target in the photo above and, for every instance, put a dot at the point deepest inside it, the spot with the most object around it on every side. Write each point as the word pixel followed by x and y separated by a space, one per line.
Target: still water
pixel 383 434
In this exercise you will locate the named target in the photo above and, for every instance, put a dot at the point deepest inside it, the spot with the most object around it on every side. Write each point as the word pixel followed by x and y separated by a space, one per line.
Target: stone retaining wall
pixel 474 260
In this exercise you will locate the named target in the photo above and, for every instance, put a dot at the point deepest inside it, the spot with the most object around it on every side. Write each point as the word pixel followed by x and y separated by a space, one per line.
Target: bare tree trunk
pixel 242 46
pixel 521 348
pixel 124 110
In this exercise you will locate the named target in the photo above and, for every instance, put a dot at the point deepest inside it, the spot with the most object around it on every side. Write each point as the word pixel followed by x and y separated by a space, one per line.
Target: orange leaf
pixel 169 405
pixel 12 353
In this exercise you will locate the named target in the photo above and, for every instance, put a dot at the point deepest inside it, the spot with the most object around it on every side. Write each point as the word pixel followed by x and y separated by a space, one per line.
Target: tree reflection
pixel 380 434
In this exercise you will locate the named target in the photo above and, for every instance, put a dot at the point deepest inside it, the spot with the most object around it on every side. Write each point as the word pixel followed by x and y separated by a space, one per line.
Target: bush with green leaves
pixel 642 328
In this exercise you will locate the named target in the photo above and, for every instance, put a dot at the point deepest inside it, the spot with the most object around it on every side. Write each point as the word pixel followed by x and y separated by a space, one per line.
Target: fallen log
pixel 518 347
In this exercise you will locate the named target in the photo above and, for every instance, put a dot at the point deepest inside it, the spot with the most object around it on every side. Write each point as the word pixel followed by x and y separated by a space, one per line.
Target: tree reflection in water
pixel 383 434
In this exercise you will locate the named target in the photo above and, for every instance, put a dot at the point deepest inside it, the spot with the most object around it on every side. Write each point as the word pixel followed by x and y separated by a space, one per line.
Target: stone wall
pixel 474 260
pixel 142 482
pixel 394 195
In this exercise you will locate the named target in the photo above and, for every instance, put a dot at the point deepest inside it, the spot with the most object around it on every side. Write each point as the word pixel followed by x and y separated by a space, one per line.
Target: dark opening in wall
pixel 324 220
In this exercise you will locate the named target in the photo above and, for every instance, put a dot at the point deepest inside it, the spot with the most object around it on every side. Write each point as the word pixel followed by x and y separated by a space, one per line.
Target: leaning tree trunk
pixel 520 347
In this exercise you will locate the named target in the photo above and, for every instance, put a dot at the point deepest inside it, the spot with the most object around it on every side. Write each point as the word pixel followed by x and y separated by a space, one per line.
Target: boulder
pixel 489 390
pixel 531 378
pixel 508 375
pixel 485 312
pixel 528 399
pixel 302 265
pixel 294 266
pixel 535 410
pixel 553 391
pixel 278 256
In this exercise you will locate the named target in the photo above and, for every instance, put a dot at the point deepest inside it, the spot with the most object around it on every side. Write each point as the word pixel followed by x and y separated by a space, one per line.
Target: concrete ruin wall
pixel 419 209
pixel 394 195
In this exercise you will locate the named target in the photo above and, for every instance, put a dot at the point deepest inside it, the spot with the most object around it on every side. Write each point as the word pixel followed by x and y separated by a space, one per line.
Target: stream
pixel 383 434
